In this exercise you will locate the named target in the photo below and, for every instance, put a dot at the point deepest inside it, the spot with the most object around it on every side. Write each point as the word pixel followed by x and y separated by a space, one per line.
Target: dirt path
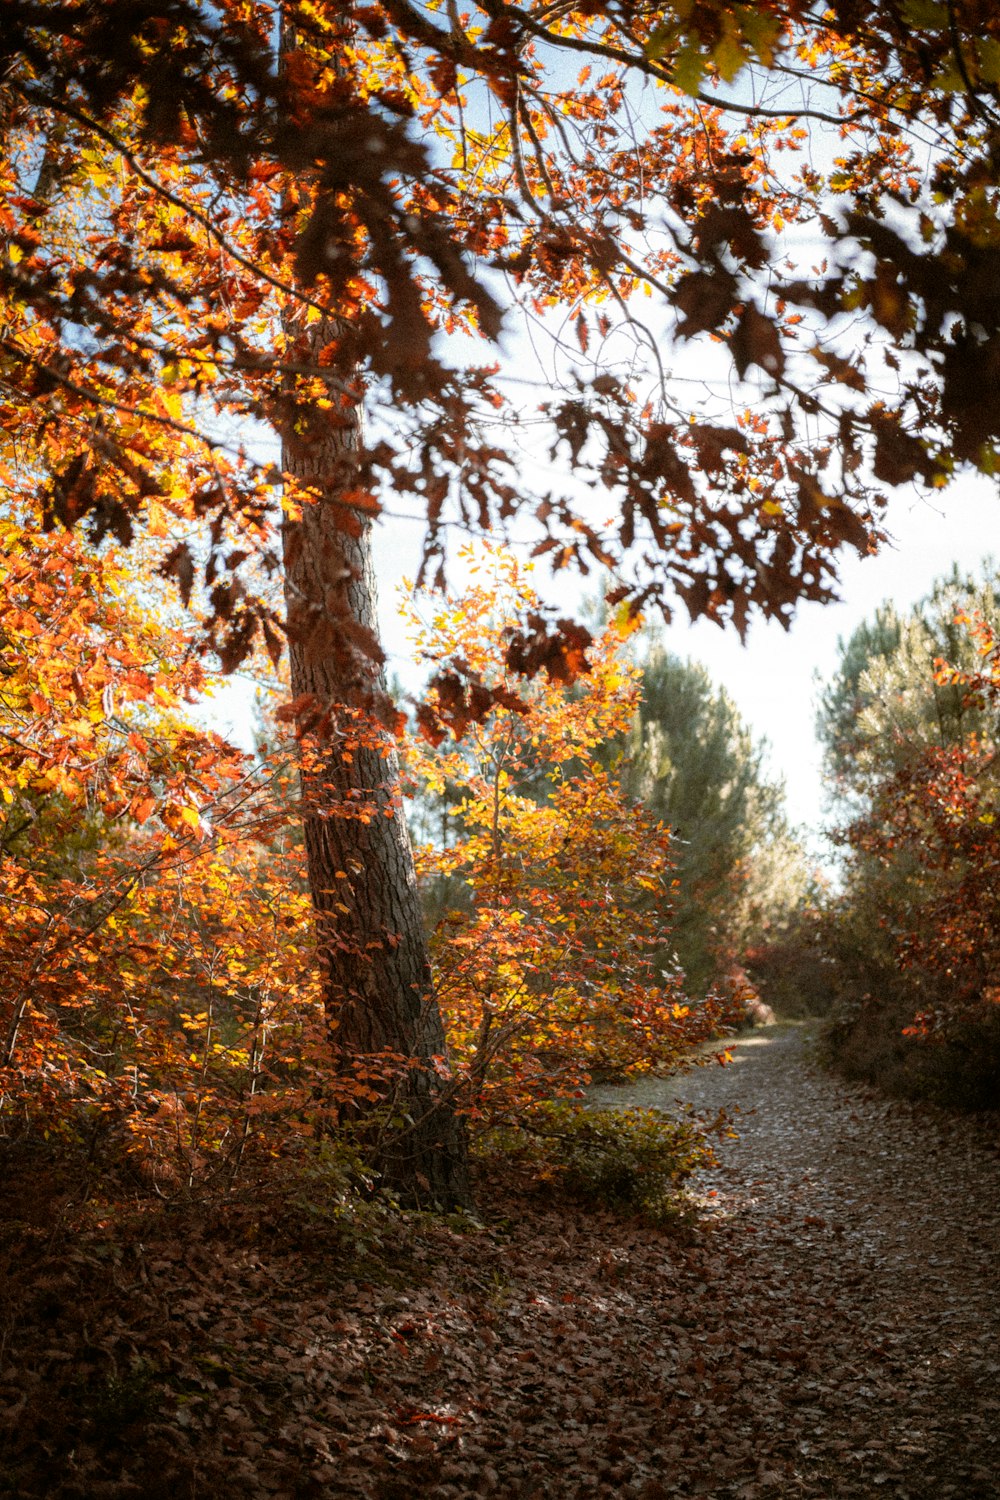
pixel 831 1330
pixel 872 1325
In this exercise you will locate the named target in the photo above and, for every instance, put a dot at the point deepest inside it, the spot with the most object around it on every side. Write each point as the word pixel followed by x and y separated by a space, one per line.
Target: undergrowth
pixel 634 1161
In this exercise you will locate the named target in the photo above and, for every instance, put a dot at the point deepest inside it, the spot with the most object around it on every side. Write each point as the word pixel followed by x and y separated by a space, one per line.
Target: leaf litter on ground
pixel 829 1327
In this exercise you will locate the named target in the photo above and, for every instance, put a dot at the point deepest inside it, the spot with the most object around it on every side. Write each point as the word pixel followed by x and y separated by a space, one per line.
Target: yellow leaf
pixel 172 404
pixel 156 518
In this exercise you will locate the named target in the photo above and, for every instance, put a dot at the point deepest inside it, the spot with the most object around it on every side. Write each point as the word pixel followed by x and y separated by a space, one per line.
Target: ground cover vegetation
pixel 255 265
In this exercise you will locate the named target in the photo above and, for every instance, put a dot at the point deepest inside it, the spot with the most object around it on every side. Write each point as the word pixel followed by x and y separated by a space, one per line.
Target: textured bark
pixel 377 973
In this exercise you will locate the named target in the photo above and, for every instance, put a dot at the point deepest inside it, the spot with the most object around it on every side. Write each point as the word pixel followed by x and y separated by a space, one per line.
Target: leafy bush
pixel 869 1040
pixel 632 1160
pixel 912 728
pixel 792 970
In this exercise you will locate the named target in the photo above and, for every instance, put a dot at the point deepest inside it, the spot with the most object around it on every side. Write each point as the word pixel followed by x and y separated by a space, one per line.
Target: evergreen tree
pixel 885 702
pixel 692 760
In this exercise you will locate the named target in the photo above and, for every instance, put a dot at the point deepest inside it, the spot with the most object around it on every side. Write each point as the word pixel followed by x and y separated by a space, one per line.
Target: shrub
pixel 556 965
pixel 869 1040
pixel 633 1161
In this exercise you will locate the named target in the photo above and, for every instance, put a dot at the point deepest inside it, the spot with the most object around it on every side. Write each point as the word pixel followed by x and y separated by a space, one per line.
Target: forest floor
pixel 831 1327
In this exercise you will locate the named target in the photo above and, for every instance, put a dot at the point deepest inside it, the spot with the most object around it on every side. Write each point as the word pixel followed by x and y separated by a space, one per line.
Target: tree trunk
pixel 377 988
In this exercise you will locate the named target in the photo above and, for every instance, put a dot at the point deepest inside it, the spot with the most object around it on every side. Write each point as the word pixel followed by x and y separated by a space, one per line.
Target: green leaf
pixel 689 69
pixel 926 15
pixel 988 51
pixel 950 80
pixel 730 56
pixel 761 31
pixel 660 42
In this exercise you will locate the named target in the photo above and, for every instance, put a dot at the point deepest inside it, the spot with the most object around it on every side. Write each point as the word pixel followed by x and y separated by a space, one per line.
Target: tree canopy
pixel 807 197
pixel 912 735
pixel 888 700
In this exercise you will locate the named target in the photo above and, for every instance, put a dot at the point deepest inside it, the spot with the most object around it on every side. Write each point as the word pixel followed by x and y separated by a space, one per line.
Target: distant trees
pixel 887 699
pixel 686 756
pixel 690 759
pixel 912 730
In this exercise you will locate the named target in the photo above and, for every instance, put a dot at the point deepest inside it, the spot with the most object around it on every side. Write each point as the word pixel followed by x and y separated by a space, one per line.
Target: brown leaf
pixel 888 300
pixel 706 299
pixel 757 342
pixel 734 227
pixel 899 456
pixel 561 653
pixel 179 564
pixel 711 443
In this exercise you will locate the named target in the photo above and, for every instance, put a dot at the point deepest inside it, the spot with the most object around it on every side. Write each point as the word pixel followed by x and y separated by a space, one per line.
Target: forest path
pixel 830 1329
pixel 872 1229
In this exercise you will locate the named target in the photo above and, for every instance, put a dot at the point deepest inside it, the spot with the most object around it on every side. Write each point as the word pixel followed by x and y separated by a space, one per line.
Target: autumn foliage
pixel 156 949
pixel 219 247
pixel 909 943
pixel 937 815
pixel 177 181
pixel 546 965
pixel 160 977
pixel 262 268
